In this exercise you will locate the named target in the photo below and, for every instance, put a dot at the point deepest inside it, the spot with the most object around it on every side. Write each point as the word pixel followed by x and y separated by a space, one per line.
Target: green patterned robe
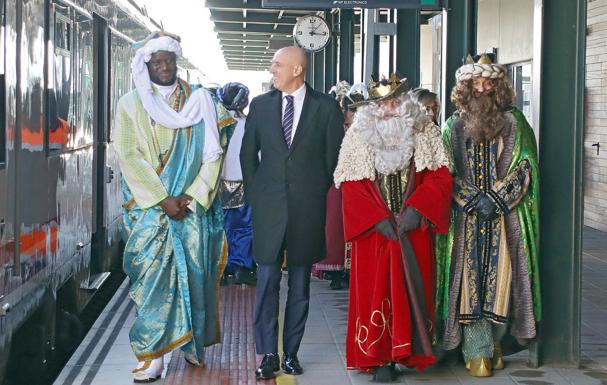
pixel 489 270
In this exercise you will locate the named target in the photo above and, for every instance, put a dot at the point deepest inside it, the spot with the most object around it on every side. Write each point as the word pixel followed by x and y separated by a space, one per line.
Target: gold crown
pixel 384 87
pixel 484 59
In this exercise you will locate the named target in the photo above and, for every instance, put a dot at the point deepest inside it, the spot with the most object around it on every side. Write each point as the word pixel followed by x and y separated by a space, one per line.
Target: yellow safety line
pixel 283 379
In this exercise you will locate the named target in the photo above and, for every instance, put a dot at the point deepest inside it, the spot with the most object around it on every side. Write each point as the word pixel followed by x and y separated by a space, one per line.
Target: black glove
pixel 485 208
pixel 386 228
pixel 410 219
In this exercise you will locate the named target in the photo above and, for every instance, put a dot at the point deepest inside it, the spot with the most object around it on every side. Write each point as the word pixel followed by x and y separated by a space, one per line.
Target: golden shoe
pixel 480 367
pixel 498 358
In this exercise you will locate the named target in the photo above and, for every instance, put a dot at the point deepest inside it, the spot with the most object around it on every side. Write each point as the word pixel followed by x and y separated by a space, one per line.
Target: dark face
pixel 163 68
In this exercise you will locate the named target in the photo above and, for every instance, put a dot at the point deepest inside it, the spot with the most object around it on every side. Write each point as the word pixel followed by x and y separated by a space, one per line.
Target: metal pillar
pixel 561 160
pixel 346 45
pixel 369 43
pixel 459 40
pixel 310 70
pixel 319 71
pixel 331 54
pixel 373 30
pixel 375 60
pixel 392 43
pixel 407 45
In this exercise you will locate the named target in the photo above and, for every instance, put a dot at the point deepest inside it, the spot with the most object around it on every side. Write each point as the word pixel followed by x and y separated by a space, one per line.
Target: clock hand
pixel 314 30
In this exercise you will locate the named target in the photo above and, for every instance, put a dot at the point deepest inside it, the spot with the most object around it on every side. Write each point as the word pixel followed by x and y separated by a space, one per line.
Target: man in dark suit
pixel 289 151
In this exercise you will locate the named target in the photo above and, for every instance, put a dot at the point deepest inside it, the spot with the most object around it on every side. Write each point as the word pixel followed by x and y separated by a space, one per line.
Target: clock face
pixel 312 33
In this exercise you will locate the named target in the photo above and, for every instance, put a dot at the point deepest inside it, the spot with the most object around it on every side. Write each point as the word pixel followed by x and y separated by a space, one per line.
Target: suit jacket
pixel 287 187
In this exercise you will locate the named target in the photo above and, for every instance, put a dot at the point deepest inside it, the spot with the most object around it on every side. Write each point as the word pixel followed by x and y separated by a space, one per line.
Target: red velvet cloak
pixel 379 314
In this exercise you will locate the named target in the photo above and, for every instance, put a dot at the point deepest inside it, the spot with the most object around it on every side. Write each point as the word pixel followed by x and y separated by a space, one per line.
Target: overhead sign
pixel 327 4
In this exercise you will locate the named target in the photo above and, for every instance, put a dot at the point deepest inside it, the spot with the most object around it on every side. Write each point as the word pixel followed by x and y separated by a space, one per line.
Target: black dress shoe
pixel 336 282
pixel 385 374
pixel 290 365
pixel 268 367
pixel 245 276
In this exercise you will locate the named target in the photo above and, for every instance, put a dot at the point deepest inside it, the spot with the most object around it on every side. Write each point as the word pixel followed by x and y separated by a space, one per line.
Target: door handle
pixel 108 174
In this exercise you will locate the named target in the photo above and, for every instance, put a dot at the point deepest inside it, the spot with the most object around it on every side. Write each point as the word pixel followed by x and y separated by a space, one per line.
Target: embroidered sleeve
pixel 465 194
pixel 508 192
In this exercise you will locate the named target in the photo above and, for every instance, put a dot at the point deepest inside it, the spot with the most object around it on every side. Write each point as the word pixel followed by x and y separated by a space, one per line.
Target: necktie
pixel 287 120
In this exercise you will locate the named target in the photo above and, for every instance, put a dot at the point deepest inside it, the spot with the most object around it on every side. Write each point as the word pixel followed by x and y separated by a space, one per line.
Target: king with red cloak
pixel 393 171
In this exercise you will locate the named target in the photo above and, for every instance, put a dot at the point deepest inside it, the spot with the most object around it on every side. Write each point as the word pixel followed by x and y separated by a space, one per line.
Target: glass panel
pixel 120 79
pixel 437 49
pixel 60 103
pixel 63 32
pixel 83 71
pixel 384 57
pixel 358 59
pixel 521 81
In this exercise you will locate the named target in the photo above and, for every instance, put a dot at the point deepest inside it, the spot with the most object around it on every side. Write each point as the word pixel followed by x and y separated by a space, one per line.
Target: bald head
pixel 294 55
pixel 288 68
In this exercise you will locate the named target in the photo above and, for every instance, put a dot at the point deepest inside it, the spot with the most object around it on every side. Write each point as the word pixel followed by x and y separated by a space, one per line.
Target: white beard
pixel 391 140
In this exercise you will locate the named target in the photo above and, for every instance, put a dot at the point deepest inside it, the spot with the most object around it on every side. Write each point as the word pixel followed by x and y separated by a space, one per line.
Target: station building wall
pixel 595 166
pixel 508 26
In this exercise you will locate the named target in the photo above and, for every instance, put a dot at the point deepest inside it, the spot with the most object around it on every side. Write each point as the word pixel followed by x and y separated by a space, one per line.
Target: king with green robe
pixel 169 139
pixel 487 265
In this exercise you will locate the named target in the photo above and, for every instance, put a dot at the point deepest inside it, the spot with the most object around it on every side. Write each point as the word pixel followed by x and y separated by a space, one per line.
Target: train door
pixel 101 176
pixel 113 79
pixel 120 83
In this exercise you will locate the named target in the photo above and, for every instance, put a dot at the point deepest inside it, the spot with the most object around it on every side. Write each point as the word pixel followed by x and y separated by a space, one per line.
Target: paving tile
pixel 322 351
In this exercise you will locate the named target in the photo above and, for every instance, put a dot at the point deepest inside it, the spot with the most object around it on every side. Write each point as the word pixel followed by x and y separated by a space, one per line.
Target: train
pixel 64 64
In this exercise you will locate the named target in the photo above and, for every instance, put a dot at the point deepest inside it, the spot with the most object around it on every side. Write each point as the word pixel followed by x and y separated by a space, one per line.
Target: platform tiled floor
pixel 105 356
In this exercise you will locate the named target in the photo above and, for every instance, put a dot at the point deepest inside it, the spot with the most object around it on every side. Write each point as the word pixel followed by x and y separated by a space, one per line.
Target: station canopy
pixel 250 34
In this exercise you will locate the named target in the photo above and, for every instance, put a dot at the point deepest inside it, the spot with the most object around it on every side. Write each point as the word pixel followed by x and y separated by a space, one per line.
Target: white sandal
pixel 148 371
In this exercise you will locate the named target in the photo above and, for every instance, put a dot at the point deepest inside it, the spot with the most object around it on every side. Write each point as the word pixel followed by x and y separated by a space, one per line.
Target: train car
pixel 63 66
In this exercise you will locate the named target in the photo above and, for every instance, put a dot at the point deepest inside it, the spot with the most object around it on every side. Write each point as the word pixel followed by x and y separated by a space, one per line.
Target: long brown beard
pixel 483 117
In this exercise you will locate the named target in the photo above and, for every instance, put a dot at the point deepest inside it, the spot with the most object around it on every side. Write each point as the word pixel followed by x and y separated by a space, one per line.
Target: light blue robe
pixel 173 265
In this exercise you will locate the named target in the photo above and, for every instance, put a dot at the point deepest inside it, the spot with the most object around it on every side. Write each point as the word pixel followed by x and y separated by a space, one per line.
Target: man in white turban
pixel 168 138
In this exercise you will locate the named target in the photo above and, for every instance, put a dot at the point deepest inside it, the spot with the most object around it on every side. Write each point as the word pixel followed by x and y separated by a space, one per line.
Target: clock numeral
pixel 312 21
pixel 299 33
pixel 324 34
pixel 311 45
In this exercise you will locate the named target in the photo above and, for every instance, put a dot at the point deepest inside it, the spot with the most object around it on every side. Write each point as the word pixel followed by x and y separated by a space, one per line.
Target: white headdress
pixel 340 89
pixel 200 105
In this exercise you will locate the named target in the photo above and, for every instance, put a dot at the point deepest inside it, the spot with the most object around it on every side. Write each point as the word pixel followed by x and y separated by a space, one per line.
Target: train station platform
pixel 105 357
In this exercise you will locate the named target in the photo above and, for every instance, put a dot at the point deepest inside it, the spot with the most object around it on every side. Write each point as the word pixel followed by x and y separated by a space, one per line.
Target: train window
pixel 120 79
pixel 71 88
pixel 84 81
pixel 60 93
pixel 63 32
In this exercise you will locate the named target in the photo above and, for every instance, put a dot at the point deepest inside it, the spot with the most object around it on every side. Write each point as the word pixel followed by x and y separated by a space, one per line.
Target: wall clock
pixel 312 33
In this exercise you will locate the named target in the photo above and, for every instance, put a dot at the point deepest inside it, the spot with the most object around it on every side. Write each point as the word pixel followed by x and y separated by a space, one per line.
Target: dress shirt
pixel 231 164
pixel 298 100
